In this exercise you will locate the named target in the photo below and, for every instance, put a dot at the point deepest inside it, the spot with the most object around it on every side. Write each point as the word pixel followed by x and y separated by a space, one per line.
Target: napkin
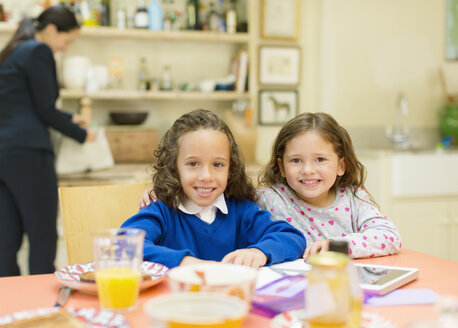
pixel 404 297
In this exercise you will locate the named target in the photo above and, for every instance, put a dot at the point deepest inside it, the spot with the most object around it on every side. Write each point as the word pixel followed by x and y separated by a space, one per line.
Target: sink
pixel 424 173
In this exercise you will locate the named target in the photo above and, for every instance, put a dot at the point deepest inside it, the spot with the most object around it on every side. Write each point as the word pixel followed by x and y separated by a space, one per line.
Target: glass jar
pixel 328 295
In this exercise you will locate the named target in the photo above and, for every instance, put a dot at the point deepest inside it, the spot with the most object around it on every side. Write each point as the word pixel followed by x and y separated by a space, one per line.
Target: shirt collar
pixel 207 214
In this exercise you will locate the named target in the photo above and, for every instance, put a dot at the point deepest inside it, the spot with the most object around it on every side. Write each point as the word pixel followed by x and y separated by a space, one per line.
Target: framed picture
pixel 451 30
pixel 277 107
pixel 279 66
pixel 280 19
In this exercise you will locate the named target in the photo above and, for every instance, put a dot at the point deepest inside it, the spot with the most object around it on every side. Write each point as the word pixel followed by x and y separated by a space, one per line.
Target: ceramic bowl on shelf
pixel 185 310
pixel 128 118
pixel 230 279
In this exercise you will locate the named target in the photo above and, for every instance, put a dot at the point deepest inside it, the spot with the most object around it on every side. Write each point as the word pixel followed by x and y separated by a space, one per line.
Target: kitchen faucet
pixel 399 137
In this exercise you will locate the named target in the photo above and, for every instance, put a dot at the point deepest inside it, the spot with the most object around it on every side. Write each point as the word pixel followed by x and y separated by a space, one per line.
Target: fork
pixel 62 296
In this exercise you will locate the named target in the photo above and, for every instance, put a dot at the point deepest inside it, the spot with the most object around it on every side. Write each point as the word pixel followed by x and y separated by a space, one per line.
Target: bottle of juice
pixel 357 296
pixel 328 296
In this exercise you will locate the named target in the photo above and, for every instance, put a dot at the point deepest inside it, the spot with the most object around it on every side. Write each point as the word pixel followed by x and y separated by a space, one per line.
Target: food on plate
pixel 89 276
pixel 50 320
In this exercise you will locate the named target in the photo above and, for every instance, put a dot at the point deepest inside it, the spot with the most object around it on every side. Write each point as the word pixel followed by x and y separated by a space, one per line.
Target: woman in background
pixel 28 182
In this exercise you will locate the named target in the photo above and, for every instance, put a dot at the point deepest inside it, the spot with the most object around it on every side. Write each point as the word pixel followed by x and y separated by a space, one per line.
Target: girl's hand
pixel 251 257
pixel 318 246
pixel 146 197
pixel 190 260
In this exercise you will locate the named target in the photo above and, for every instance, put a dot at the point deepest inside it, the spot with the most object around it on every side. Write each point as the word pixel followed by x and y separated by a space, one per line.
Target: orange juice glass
pixel 118 254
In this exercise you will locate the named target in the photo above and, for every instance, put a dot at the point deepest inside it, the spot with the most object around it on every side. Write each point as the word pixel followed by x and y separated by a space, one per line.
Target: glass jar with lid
pixel 328 295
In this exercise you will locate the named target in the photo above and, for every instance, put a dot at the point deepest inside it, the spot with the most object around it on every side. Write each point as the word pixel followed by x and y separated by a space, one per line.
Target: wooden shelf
pixel 115 33
pixel 158 95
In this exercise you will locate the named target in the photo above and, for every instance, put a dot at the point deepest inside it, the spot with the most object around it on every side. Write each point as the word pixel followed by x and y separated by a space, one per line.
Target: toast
pixel 89 276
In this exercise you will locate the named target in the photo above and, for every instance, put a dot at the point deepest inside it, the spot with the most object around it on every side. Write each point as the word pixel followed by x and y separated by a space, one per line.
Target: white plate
pixel 296 318
pixel 91 316
pixel 70 276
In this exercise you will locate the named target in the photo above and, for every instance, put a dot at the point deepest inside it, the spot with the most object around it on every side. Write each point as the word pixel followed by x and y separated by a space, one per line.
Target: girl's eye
pixel 218 164
pixel 295 160
pixel 191 164
pixel 320 159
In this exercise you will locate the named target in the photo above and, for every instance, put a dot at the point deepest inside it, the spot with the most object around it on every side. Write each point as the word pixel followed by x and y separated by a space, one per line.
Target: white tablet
pixel 382 279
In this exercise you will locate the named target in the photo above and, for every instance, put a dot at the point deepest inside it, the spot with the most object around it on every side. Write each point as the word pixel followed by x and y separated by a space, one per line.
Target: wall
pixel 358 55
pixel 371 50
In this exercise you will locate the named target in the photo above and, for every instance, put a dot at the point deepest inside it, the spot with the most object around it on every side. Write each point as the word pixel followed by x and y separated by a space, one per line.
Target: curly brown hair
pixel 331 131
pixel 166 179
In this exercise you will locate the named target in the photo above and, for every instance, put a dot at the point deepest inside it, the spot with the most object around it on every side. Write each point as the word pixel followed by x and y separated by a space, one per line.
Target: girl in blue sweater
pixel 206 210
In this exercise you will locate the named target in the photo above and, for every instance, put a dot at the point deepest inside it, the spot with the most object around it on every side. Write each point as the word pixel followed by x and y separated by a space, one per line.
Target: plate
pixel 296 319
pixel 91 316
pixel 70 276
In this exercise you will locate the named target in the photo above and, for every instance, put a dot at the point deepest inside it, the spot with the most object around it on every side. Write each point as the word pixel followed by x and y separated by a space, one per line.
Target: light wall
pixel 358 55
pixel 371 51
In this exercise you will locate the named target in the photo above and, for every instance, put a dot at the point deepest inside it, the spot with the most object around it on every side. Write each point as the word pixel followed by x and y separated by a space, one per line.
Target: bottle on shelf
pixel 141 15
pixel 357 296
pixel 105 13
pixel 143 83
pixel 121 15
pixel 192 14
pixel 87 14
pixel 155 16
pixel 213 18
pixel 166 80
pixel 231 18
pixel 75 6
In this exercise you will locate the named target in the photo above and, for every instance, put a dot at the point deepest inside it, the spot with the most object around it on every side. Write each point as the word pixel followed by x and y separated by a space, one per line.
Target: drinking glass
pixel 118 254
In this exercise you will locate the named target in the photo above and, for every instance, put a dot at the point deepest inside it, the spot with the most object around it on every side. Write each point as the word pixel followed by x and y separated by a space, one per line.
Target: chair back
pixel 88 209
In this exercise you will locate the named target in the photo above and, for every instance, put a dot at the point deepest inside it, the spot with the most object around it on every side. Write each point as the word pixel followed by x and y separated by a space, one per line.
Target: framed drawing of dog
pixel 277 107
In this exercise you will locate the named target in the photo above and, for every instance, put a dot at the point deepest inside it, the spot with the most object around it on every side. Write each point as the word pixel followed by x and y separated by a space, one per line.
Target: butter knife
pixel 62 296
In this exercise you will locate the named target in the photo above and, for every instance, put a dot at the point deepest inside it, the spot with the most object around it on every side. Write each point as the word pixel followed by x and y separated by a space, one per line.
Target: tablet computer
pixel 382 279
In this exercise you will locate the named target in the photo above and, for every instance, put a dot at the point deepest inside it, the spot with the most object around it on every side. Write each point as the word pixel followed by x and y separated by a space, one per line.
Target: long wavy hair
pixel 329 130
pixel 60 16
pixel 166 179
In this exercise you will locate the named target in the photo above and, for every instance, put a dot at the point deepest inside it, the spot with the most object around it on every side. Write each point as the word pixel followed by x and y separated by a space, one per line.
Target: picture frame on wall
pixel 276 107
pixel 280 19
pixel 279 66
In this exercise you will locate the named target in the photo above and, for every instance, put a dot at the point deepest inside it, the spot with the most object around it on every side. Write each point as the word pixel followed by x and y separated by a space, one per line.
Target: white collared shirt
pixel 206 214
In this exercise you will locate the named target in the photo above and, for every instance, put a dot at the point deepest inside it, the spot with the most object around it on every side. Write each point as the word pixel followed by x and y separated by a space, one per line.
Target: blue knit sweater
pixel 172 235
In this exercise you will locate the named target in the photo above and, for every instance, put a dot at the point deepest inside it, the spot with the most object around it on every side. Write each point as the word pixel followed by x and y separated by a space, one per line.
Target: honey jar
pixel 328 295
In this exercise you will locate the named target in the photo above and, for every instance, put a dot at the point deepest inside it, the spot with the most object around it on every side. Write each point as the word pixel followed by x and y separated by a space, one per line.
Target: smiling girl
pixel 315 181
pixel 206 209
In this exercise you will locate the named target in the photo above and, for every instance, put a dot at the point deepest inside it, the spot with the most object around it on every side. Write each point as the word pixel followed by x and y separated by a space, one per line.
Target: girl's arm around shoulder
pixel 278 240
pixel 155 220
pixel 374 234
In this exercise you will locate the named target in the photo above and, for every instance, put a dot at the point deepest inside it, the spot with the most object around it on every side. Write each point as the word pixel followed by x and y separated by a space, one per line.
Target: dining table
pixel 30 292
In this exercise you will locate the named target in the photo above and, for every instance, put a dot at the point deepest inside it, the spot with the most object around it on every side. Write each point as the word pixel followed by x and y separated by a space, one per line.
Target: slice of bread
pixel 89 276
pixel 57 319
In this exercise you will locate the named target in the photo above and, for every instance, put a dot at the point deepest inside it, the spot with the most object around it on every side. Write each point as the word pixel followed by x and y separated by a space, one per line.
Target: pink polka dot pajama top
pixel 349 218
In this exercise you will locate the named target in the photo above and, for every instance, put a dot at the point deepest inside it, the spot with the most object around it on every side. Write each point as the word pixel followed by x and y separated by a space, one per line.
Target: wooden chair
pixel 87 209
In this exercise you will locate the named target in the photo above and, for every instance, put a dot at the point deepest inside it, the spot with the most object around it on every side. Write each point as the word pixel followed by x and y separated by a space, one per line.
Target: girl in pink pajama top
pixel 315 182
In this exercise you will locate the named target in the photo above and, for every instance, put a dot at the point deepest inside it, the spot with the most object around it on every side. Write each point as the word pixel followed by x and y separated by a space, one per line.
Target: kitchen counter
pixel 118 174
